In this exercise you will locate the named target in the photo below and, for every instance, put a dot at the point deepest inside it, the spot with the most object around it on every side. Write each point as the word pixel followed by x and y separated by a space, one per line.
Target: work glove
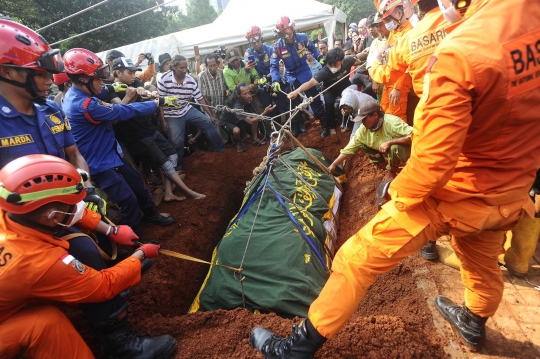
pixel 149 250
pixel 110 90
pixel 119 87
pixel 94 202
pixel 322 60
pixel 169 101
pixel 122 235
pixel 276 87
pixel 381 195
pixel 262 81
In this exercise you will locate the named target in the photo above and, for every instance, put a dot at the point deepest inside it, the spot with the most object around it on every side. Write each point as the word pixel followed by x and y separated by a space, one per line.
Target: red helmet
pixel 386 7
pixel 32 181
pixel 61 78
pixel 23 47
pixel 84 62
pixel 254 32
pixel 283 24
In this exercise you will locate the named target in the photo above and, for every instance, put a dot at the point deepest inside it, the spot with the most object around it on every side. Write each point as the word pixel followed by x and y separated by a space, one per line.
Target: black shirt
pixel 135 128
pixel 328 78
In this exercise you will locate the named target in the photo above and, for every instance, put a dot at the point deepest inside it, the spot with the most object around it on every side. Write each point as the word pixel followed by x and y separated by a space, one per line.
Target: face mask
pixel 77 215
pixel 450 14
pixel 334 69
pixel 390 26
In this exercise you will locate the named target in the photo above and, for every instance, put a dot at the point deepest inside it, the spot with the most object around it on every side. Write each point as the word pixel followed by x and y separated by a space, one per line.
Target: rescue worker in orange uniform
pixel 475 152
pixel 411 54
pixel 39 194
pixel 395 93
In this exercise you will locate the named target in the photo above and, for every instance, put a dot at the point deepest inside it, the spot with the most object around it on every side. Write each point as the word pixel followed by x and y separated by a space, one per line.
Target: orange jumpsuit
pixel 413 52
pixel 36 265
pixel 474 156
pixel 402 83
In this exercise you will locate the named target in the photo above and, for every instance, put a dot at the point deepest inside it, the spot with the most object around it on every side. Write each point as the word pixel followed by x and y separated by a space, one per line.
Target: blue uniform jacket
pixel 262 59
pixel 92 125
pixel 48 132
pixel 294 58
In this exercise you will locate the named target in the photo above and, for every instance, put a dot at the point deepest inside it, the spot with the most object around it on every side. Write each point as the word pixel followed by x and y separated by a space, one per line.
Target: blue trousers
pixel 177 128
pixel 317 105
pixel 126 188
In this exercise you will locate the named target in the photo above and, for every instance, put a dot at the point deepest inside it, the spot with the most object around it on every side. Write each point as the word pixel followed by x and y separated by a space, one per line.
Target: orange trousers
pixel 479 236
pixel 400 110
pixel 41 332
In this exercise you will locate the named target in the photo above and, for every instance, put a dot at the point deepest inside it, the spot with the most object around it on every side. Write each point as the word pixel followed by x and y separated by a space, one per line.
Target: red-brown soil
pixel 393 321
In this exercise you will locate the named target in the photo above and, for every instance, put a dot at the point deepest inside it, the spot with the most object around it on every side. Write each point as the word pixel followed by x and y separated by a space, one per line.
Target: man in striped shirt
pixel 177 82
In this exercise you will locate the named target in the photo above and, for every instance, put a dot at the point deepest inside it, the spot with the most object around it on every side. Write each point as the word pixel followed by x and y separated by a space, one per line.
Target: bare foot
pixel 198 196
pixel 165 214
pixel 172 197
pixel 332 131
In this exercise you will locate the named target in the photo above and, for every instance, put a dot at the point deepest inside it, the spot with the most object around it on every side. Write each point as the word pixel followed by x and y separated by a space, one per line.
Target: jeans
pixel 177 128
pixel 126 188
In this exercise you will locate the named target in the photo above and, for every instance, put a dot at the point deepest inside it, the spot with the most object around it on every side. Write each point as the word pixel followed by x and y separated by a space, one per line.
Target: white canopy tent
pixel 230 27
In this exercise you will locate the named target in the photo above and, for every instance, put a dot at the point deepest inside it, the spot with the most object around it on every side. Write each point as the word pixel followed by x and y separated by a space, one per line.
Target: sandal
pixel 241 148
pixel 259 143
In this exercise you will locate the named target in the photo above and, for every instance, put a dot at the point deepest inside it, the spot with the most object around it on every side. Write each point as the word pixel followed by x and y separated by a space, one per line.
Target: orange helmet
pixel 283 24
pixel 23 47
pixel 84 62
pixel 386 7
pixel 32 181
pixel 254 32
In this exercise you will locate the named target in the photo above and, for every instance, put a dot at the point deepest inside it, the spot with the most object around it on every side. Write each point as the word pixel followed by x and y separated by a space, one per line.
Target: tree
pixel 354 9
pixel 38 13
pixel 198 12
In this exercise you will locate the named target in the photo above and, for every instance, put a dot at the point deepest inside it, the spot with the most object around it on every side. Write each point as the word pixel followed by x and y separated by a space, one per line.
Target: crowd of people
pixel 422 92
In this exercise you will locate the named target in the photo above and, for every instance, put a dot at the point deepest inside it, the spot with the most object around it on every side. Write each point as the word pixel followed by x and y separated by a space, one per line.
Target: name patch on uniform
pixel 284 56
pixel 426 43
pixel 16 140
pixel 523 61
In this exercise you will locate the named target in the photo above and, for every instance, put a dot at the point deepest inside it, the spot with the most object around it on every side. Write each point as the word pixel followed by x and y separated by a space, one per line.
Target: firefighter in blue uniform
pixel 33 125
pixel 91 120
pixel 292 48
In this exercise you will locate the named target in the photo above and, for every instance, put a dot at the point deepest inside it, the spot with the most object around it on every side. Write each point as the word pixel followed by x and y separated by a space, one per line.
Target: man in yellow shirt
pixel 380 134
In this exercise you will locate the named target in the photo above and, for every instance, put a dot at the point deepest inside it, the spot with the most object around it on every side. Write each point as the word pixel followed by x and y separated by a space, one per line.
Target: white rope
pixel 112 23
pixel 70 16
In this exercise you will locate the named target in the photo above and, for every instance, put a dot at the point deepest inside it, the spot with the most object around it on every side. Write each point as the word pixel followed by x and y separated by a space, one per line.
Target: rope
pixel 72 15
pixel 179 255
pixel 112 23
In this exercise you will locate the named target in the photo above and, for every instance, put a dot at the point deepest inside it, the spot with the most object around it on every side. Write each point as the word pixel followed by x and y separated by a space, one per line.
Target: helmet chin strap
pixel 89 85
pixel 30 86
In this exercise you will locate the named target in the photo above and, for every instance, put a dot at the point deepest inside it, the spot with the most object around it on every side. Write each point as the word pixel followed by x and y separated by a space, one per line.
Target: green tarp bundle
pixel 282 271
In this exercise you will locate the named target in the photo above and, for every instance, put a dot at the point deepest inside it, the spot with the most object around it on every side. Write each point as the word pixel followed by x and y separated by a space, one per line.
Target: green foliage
pixel 38 13
pixel 354 9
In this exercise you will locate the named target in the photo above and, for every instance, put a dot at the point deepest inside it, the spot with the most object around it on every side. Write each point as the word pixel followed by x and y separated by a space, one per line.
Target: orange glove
pixel 149 250
pixel 122 235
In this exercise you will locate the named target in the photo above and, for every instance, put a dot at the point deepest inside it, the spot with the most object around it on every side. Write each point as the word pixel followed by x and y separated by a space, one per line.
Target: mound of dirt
pixel 393 321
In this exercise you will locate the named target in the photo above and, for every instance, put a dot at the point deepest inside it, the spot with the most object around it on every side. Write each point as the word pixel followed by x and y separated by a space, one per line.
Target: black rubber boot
pixel 303 342
pixel 152 216
pixel 470 327
pixel 429 251
pixel 325 133
pixel 120 342
pixel 126 294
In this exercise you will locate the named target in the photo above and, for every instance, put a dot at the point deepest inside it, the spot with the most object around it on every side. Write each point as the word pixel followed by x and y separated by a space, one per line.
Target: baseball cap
pixel 233 54
pixel 367 108
pixel 113 54
pixel 61 78
pixel 122 63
